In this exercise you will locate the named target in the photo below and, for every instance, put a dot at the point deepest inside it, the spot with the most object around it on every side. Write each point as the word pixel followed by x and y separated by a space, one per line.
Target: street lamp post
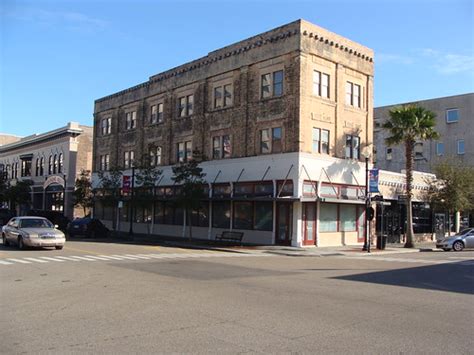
pixel 366 153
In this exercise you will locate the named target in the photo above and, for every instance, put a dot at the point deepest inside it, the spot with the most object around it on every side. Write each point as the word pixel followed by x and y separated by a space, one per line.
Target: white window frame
pixel 318 84
pixel 439 152
pixel 458 142
pixel 130 120
pixel 447 114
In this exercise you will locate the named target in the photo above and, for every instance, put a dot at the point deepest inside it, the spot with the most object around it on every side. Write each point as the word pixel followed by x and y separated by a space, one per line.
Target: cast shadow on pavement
pixel 450 277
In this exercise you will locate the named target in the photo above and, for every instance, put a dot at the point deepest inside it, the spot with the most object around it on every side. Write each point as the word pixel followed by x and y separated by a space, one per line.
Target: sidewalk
pixel 348 250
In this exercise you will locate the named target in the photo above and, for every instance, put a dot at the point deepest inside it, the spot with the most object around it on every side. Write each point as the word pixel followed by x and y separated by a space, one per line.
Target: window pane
pixel 348 93
pixel 439 148
pixel 227 95
pixel 182 107
pixel 243 189
pixel 452 115
pixel 190 104
pixel 349 193
pixel 263 216
pixel 348 146
pixel 265 141
pixel 221 214
pixel 316 82
pixel 328 218
pixel 276 142
pixel 158 156
pixel 154 112
pixel 216 147
pixel 181 152
pixel 266 86
pixel 226 146
pixel 325 141
pixel 243 215
pixel 461 146
pixel 348 218
pixel 329 191
pixel 264 189
pixel 278 77
pixel 316 139
pixel 355 147
pixel 218 97
pixel 356 98
pixel 189 151
pixel 325 85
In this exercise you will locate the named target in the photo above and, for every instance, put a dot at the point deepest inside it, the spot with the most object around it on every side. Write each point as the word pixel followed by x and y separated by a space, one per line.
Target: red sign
pixel 126 183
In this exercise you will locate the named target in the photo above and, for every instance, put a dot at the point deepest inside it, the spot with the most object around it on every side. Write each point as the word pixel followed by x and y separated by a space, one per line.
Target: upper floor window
pixel 320 141
pixel 388 154
pixel 50 165
pixel 155 156
pixel 352 94
pixel 186 106
pixel 221 147
pixel 184 151
pixel 352 147
pixel 37 167
pixel 104 162
pixel 460 144
pixel 320 84
pixel 223 96
pixel 452 115
pixel 55 164
pixel 41 173
pixel 61 163
pixel 156 114
pixel 418 150
pixel 439 148
pixel 270 140
pixel 130 120
pixel 272 84
pixel 128 159
pixel 106 126
pixel 26 167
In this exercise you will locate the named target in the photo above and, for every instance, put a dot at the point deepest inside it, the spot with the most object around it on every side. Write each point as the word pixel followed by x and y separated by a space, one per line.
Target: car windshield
pixel 464 231
pixel 35 223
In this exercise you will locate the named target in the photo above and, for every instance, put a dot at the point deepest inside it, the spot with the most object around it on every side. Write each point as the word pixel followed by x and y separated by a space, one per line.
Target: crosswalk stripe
pixel 96 257
pixel 67 258
pixel 3 262
pixel 137 256
pixel 36 260
pixel 111 257
pixel 20 261
pixel 125 257
pixel 83 258
pixel 51 259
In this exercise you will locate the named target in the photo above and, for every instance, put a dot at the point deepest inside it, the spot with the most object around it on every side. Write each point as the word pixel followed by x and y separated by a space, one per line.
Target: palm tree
pixel 408 124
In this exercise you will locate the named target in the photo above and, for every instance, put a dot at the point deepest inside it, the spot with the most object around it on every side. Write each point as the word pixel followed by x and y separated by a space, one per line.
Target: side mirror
pixel 56 226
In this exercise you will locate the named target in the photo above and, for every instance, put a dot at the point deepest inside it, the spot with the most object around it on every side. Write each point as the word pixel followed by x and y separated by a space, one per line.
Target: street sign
pixel 373 180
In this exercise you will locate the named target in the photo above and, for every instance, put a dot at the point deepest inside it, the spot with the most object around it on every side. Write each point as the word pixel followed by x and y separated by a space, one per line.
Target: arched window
pixel 55 166
pixel 16 170
pixel 50 165
pixel 61 162
pixel 41 166
pixel 37 170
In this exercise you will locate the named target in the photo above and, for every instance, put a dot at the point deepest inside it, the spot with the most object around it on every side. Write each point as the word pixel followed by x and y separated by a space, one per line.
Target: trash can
pixel 381 241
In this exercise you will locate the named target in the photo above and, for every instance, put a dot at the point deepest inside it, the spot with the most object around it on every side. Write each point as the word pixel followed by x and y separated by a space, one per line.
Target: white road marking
pixel 96 257
pixel 83 258
pixel 51 259
pixel 67 258
pixel 37 260
pixel 3 262
pixel 137 256
pixel 111 257
pixel 461 257
pixel 125 257
pixel 20 261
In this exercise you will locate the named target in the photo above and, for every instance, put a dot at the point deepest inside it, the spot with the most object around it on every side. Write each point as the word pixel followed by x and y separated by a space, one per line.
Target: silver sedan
pixel 32 232
pixel 457 242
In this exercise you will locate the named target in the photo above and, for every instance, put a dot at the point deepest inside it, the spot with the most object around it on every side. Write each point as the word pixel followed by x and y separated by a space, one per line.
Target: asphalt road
pixel 119 298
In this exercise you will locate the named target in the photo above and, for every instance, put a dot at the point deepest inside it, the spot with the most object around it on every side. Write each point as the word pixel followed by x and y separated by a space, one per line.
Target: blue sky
pixel 57 57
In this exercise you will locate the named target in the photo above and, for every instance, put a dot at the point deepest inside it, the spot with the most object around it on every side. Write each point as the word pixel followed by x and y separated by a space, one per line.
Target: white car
pixel 32 232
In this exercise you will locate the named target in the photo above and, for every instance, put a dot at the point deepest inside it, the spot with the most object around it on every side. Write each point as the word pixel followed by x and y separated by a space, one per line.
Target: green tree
pixel 83 191
pixel 191 180
pixel 453 191
pixel 19 194
pixel 3 187
pixel 407 125
pixel 147 175
pixel 110 183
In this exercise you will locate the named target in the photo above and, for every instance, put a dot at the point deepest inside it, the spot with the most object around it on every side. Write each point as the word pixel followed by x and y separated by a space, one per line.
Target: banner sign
pixel 126 183
pixel 374 180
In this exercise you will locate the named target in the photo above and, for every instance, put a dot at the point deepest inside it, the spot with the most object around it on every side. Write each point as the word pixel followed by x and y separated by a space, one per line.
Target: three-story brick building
pixel 278 122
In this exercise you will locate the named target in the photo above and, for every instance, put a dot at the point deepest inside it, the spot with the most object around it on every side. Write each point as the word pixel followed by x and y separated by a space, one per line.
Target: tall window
pixel 61 163
pixel 128 159
pixel 352 94
pixel 320 84
pixel 352 147
pixel 155 156
pixel 270 140
pixel 439 148
pixel 320 141
pixel 50 165
pixel 156 113
pixel 460 144
pixel 26 167
pixel 328 218
pixel 130 120
pixel 223 96
pixel 186 106
pixel 452 115
pixel 104 162
pixel 221 147
pixel 184 151
pixel 41 173
pixel 37 169
pixel 106 126
pixel 272 84
pixel 55 164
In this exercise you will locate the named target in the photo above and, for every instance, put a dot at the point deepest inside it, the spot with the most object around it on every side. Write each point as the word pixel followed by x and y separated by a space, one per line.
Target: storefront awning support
pixel 309 177
pixel 329 180
pixel 284 181
pixel 266 172
pixel 217 175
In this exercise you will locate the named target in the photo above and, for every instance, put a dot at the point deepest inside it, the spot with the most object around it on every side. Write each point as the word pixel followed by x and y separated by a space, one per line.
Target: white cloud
pixel 448 63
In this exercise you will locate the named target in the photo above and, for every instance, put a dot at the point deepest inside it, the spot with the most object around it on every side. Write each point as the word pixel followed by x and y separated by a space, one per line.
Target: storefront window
pixel 243 215
pixel 200 217
pixel 347 215
pixel 263 216
pixel 329 190
pixel 328 218
pixel 221 214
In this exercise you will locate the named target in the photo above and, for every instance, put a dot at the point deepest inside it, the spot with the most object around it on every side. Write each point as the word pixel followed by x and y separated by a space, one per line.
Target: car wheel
pixel 458 246
pixel 59 247
pixel 5 240
pixel 446 249
pixel 21 244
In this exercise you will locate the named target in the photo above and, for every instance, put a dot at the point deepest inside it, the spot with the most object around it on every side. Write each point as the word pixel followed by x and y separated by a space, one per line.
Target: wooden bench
pixel 230 236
